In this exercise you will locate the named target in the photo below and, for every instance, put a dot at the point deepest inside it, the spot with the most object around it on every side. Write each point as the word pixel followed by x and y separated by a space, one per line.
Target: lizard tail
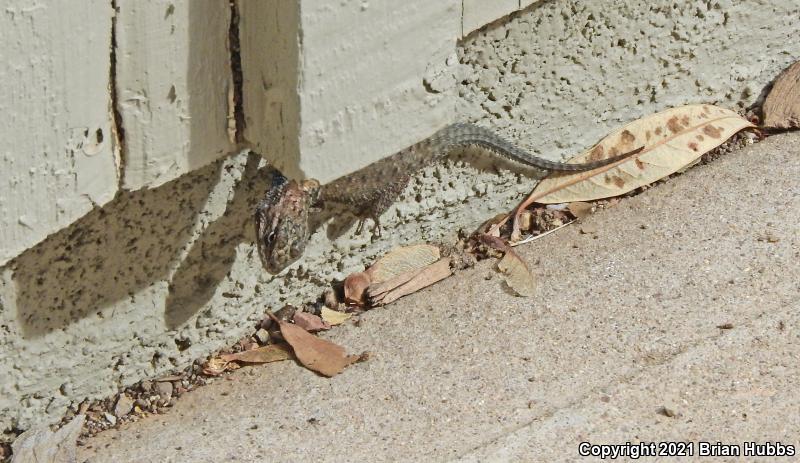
pixel 465 134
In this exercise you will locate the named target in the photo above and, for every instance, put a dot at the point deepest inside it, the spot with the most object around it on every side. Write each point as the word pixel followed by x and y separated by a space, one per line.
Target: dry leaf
pixel 672 139
pixel 402 260
pixel 782 106
pixel 314 353
pixel 334 317
pixel 492 241
pixel 491 227
pixel 517 274
pixel 266 354
pixel 310 322
pixel 216 366
pixel 393 282
pixel 355 288
pixel 580 209
pixel 390 291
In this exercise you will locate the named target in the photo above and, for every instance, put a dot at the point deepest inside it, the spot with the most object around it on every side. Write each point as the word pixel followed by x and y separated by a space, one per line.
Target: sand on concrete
pixel 624 330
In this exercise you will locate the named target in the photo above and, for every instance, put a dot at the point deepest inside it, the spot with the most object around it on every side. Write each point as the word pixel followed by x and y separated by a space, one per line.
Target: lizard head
pixel 281 220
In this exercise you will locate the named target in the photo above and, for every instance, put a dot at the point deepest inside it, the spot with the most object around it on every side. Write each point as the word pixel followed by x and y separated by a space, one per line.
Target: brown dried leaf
pixel 490 226
pixel 334 317
pixel 310 322
pixel 782 106
pixel 314 353
pixel 517 274
pixel 393 282
pixel 671 139
pixel 216 366
pixel 386 292
pixel 402 260
pixel 266 354
pixel 355 288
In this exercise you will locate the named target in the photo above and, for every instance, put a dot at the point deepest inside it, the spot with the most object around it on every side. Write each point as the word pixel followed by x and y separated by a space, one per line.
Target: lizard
pixel 282 217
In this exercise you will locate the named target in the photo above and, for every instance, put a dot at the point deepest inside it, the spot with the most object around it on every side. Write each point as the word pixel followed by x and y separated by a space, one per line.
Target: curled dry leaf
pixel 491 226
pixel 314 353
pixel 310 322
pixel 216 366
pixel 402 260
pixel 266 354
pixel 517 274
pixel 409 282
pixel 672 139
pixel 355 288
pixel 396 268
pixel 334 317
pixel 782 106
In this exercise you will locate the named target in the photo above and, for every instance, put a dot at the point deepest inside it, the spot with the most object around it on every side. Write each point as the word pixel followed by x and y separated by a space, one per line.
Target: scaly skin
pixel 282 228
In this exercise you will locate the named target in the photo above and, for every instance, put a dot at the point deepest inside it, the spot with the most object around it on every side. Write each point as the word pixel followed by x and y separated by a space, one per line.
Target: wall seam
pixel 117 126
pixel 235 62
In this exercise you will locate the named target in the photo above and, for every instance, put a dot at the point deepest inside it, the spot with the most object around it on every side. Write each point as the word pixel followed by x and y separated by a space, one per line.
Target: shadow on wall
pixel 211 256
pixel 136 241
pixel 147 237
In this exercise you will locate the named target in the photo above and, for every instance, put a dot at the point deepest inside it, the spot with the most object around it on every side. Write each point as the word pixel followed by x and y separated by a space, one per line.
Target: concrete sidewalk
pixel 625 325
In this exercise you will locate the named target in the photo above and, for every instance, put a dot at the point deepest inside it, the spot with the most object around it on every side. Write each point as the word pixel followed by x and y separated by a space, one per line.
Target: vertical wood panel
pixel 174 86
pixel 478 13
pixel 57 156
pixel 349 86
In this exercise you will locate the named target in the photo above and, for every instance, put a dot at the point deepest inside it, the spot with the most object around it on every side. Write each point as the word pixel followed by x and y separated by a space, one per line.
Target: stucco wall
pixel 160 276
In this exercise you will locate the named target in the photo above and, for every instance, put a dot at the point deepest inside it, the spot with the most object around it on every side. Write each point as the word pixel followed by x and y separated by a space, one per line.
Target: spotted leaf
pixel 671 140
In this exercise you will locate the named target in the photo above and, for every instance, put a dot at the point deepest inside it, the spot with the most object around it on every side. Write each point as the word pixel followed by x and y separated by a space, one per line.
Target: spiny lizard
pixel 282 217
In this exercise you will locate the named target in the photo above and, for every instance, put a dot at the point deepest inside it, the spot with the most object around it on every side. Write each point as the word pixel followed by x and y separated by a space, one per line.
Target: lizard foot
pixel 376 228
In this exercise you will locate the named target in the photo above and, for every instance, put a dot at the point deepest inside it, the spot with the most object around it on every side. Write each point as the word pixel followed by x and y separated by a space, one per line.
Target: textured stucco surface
pixel 157 278
pixel 563 73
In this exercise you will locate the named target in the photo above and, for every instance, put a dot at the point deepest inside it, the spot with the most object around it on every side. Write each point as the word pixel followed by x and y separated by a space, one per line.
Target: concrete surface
pixel 156 278
pixel 625 322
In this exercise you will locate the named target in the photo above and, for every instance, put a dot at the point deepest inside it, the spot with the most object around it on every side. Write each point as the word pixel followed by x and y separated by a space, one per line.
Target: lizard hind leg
pixel 376 227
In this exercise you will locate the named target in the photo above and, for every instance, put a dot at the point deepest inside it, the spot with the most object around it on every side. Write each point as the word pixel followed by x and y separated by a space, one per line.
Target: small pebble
pixel 262 336
pixel 123 406
pixel 164 390
pixel 666 411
